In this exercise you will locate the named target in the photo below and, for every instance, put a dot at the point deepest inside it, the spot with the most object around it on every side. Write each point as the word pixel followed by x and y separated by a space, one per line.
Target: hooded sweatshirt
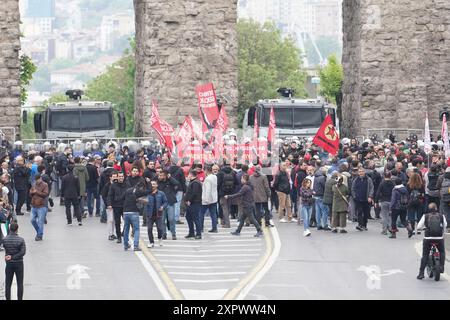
pixel 397 192
pixel 246 194
pixel 81 172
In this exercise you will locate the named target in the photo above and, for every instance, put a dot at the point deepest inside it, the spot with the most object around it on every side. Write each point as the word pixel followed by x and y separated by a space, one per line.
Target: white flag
pixel 444 134
pixel 427 139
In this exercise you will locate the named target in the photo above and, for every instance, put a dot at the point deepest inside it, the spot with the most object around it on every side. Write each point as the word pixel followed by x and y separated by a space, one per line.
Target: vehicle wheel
pixel 437 274
pixel 429 272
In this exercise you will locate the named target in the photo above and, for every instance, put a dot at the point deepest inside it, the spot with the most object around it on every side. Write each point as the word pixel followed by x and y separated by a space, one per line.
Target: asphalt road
pixel 282 265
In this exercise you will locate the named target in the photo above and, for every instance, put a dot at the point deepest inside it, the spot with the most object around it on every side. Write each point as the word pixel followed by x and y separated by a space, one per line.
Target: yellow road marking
pixel 233 293
pixel 176 295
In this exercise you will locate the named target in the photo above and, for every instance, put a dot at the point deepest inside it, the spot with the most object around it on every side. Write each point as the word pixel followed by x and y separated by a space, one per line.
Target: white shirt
pixel 421 225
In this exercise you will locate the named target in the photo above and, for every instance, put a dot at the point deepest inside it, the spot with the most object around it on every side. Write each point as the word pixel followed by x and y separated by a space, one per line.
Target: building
pixel 113 27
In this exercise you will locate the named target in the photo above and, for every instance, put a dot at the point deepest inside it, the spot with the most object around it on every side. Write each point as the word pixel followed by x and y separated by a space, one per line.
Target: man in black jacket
pixel 322 212
pixel 193 200
pixel 104 179
pixel 62 164
pixel 15 249
pixel 92 188
pixel 21 175
pixel 70 191
pixel 169 186
pixel 226 184
pixel 177 173
pixel 116 197
pixel 282 186
pixel 133 180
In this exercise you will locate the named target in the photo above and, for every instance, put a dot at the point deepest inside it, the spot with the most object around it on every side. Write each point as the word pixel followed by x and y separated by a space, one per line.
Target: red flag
pixel 327 137
pixel 162 128
pixel 184 135
pixel 222 121
pixel 272 126
pixel 207 105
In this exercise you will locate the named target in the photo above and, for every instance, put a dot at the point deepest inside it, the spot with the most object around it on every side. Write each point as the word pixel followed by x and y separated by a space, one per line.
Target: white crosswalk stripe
pixel 213 264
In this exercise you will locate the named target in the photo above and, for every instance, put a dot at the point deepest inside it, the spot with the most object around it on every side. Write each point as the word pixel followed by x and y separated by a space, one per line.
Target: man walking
pixel 70 191
pixel 81 172
pixel 262 194
pixel 362 193
pixel 92 188
pixel 15 249
pixel 227 183
pixel 21 175
pixel 169 186
pixel 209 200
pixel 319 191
pixel 193 199
pixel 116 197
pixel 39 193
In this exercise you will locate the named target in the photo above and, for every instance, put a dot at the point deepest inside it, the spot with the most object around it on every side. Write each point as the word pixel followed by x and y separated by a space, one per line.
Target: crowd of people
pixel 394 182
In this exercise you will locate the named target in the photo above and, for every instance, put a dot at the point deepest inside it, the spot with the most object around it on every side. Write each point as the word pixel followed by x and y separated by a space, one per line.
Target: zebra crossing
pixel 208 268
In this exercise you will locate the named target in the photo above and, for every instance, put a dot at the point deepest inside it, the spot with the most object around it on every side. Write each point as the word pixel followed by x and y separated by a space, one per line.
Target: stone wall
pixel 396 62
pixel 180 44
pixel 9 65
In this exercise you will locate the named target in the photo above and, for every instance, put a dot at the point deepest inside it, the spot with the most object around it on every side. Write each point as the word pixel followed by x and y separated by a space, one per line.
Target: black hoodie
pixel 246 194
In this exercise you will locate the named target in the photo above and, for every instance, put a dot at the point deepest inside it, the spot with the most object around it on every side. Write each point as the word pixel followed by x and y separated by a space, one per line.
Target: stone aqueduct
pixel 396 60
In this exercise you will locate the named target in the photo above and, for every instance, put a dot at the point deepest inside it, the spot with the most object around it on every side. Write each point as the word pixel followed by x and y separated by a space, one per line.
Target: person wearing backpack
pixel 227 183
pixel 416 193
pixel 382 200
pixel 435 224
pixel 432 191
pixel 444 187
pixel 398 207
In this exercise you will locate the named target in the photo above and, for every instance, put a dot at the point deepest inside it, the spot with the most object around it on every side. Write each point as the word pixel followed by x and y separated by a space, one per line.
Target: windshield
pixel 80 121
pixel 293 118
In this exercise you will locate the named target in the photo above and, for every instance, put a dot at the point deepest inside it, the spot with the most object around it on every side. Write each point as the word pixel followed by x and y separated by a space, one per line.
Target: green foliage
pixel 331 77
pixel 27 68
pixel 326 45
pixel 117 85
pixel 266 63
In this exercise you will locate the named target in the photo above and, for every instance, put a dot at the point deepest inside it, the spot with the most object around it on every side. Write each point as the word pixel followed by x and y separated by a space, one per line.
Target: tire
pixel 437 269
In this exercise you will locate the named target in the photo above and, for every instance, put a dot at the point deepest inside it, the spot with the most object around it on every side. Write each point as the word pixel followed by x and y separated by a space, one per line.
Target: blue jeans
pixel 92 193
pixel 169 216
pixel 37 219
pixel 212 212
pixel 177 205
pixel 104 215
pixel 321 213
pixel 414 214
pixel 131 218
pixel 193 219
pixel 306 215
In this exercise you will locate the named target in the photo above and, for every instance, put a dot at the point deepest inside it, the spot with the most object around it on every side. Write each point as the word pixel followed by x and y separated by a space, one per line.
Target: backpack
pixel 228 183
pixel 432 182
pixel 58 165
pixel 404 201
pixel 415 198
pixel 434 225
pixel 445 191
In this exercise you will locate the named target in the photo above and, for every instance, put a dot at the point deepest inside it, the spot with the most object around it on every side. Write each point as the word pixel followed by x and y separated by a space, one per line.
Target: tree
pixel 27 68
pixel 266 63
pixel 331 77
pixel 117 86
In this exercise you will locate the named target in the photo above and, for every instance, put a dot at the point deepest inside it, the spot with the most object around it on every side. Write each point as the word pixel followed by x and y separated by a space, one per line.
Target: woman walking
pixel 306 196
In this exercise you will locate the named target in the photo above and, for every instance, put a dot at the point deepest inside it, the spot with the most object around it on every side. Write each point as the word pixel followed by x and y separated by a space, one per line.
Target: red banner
pixel 207 105
pixel 162 128
pixel 272 127
pixel 327 137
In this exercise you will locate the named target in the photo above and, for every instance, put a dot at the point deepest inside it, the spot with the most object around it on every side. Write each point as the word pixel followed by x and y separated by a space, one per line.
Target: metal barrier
pixel 399 133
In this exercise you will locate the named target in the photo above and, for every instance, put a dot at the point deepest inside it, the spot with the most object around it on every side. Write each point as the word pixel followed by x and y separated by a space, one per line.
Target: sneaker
pixel 327 228
pixel 127 247
pixel 365 229
pixel 420 276
pixel 335 231
pixel 119 241
pixel 359 228
pixel 306 233
pixel 160 242
pixel 319 228
pixel 38 238
pixel 198 237
pixel 189 236
pixel 114 237
pixel 164 237
pixel 343 231
pixel 137 249
pixel 80 224
pixel 110 238
pixel 269 225
pixel 180 222
pixel 84 215
pixel 293 220
pixel 69 224
pixel 20 213
pixel 258 234
pixel 213 231
pixel 103 221
pixel 283 220
pixel 150 245
pixel 174 237
pixel 235 233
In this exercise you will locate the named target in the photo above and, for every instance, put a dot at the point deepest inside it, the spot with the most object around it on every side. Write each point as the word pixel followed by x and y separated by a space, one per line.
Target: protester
pixel 15 250
pixel 209 200
pixel 340 205
pixel 39 193
pixel 193 200
pixel 157 202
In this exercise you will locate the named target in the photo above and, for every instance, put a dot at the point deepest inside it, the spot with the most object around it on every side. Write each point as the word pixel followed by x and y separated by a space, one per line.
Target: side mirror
pixel 24 116
pixel 37 122
pixel 122 121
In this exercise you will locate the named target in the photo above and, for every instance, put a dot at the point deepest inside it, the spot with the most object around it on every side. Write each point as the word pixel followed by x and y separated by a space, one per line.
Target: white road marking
pixel 273 257
pixel 205 251
pixel 206 281
pixel 205 274
pixel 215 294
pixel 202 261
pixel 240 240
pixel 162 289
pixel 204 256
pixel 207 268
